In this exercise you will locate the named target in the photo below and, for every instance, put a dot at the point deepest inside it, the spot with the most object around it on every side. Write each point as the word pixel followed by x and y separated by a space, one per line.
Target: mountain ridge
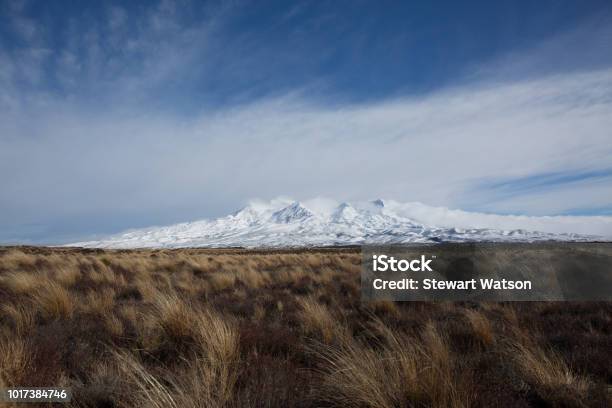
pixel 288 223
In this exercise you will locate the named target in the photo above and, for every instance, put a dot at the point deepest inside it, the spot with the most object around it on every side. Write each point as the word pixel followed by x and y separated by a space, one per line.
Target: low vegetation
pixel 235 328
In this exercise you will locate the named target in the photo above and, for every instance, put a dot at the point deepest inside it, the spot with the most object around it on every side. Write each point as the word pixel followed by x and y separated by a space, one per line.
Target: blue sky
pixel 117 115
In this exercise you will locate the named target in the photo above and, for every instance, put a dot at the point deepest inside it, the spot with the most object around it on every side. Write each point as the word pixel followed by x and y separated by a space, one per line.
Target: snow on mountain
pixel 286 223
pixel 344 213
pixel 294 212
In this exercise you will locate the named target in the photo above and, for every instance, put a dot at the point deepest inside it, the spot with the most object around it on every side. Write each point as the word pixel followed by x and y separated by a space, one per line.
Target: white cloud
pixel 433 149
pixel 444 217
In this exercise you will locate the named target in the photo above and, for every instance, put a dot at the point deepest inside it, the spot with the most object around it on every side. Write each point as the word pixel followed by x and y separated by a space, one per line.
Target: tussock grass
pixel 481 326
pixel 174 316
pixel 66 276
pixel 150 392
pixel 15 359
pixel 384 307
pixel 401 371
pixel 20 282
pixel 208 377
pixel 318 321
pixel 53 301
pixel 14 259
pixel 221 281
pixel 99 302
pixel 251 277
pixel 232 328
pixel 19 317
pixel 214 371
pixel 549 375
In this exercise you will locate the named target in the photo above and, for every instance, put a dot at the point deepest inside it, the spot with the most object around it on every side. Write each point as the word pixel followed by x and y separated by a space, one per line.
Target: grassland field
pixel 281 328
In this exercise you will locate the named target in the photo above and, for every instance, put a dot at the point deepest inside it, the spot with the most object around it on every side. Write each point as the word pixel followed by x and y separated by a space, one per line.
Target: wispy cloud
pixel 546 181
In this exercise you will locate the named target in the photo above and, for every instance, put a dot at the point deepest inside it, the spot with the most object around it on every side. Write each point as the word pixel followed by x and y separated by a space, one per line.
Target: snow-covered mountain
pixel 286 223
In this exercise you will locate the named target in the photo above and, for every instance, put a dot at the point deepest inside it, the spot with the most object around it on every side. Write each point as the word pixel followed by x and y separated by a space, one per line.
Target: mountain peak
pixel 344 212
pixel 293 212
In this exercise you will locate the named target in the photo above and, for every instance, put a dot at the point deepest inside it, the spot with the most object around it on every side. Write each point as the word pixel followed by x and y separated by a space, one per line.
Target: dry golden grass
pixel 548 374
pixel 214 371
pixel 481 326
pixel 401 371
pixel 98 302
pixel 20 282
pixel 232 328
pixel 66 276
pixel 113 325
pixel 15 357
pixel 221 281
pixel 356 375
pixel 175 317
pixel 53 301
pixel 14 259
pixel 387 307
pixel 149 391
pixel 251 277
pixel 318 321
pixel 209 376
pixel 21 317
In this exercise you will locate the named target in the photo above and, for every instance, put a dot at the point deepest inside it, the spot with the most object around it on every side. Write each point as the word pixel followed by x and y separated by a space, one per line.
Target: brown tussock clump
pixel 401 372
pixel 98 302
pixel 20 282
pixel 21 317
pixel 15 360
pixel 207 380
pixel 384 307
pixel 549 375
pixel 220 281
pixel 318 321
pixel 481 327
pixel 66 276
pixel 53 301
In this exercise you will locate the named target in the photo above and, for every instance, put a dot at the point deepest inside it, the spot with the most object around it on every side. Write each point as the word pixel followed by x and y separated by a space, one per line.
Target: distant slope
pixel 285 223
